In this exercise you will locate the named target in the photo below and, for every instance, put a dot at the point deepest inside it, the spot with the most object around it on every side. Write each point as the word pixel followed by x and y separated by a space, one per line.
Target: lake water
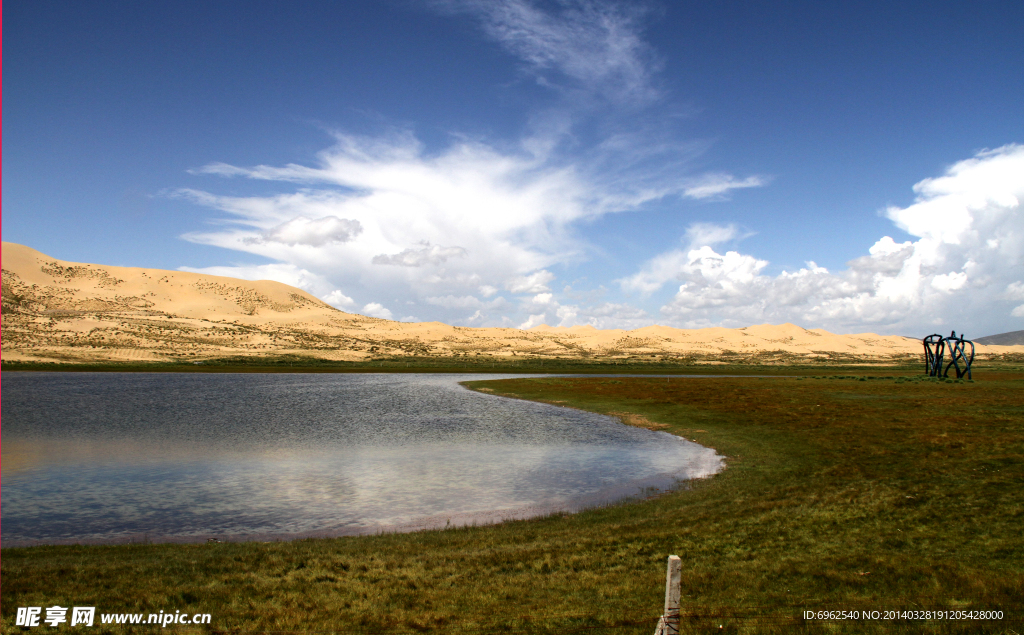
pixel 123 457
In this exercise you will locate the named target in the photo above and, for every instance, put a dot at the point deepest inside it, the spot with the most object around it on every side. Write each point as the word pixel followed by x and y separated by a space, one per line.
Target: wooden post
pixel 669 622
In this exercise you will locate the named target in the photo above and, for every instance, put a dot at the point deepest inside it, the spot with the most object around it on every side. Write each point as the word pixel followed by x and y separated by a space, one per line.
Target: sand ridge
pixel 55 310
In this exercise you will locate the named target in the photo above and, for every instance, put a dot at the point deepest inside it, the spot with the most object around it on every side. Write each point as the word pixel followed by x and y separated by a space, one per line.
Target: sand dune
pixel 64 311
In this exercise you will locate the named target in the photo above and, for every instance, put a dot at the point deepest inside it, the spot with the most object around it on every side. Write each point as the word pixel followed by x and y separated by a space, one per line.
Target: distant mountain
pixel 1013 338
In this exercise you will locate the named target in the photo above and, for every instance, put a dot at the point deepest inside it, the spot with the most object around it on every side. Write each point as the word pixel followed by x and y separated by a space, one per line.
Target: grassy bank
pixel 296 364
pixel 775 363
pixel 841 493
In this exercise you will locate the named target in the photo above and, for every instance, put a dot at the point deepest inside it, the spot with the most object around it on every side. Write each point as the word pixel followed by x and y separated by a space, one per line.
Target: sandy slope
pixel 56 310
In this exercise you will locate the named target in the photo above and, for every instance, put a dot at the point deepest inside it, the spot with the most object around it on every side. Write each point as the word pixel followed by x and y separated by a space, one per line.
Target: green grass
pixel 468 364
pixel 887 493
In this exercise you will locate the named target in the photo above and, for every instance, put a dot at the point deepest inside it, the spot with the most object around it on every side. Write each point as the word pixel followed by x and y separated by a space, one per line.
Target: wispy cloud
pixel 596 45
pixel 716 186
pixel 426 255
pixel 711 234
pixel 313 232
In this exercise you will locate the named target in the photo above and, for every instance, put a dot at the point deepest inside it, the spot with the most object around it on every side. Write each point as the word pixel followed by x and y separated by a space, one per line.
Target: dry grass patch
pixel 639 421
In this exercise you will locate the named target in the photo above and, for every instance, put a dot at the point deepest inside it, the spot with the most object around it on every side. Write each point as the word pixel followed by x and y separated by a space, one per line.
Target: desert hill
pixel 73 312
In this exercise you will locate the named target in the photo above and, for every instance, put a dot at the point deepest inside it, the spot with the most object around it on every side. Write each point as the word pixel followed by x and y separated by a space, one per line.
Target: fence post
pixel 669 622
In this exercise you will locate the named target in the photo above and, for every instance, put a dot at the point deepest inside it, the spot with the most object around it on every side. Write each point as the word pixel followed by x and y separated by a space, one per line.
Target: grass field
pixel 296 364
pixel 841 493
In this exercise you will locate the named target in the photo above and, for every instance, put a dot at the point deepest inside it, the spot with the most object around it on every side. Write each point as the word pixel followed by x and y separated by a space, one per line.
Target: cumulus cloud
pixel 1015 291
pixel 962 264
pixel 385 194
pixel 338 300
pixel 532 321
pixel 963 267
pixel 426 255
pixel 377 310
pixel 679 264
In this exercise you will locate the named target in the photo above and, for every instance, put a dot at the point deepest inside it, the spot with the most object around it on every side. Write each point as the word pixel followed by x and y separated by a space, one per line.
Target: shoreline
pixel 698 369
pixel 623 494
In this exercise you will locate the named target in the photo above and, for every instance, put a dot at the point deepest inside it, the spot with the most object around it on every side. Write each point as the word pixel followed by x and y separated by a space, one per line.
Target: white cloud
pixel 426 255
pixel 962 267
pixel 315 233
pixel 971 196
pixel 534 283
pixel 604 316
pixel 716 186
pixel 1014 291
pixel 456 302
pixel 338 300
pixel 656 272
pixel 532 321
pixel 377 310
pixel 567 315
pixel 617 312
pixel 512 211
pixel 595 45
pixel 466 302
pixel 680 264
pixel 950 282
pixel 962 263
pixel 711 234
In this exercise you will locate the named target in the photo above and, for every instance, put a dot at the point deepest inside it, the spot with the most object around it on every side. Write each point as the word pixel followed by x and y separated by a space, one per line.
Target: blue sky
pixel 853 166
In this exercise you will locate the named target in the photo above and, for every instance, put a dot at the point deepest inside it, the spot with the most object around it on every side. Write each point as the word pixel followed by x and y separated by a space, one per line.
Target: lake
pixel 186 457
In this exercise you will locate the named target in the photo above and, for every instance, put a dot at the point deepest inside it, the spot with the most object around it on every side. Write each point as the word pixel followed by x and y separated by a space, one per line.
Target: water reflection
pixel 113 457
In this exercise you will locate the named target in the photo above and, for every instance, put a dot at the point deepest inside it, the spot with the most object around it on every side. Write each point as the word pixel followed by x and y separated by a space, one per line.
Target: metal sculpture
pixel 935 347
